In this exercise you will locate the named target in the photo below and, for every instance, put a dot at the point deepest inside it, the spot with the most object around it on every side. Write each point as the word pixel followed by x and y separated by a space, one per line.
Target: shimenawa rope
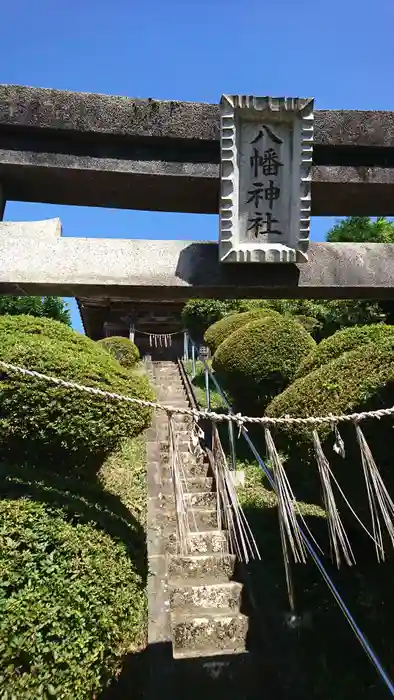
pixel 236 418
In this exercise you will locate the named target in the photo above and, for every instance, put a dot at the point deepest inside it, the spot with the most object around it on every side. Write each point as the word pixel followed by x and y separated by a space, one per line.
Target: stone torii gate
pixel 85 149
pixel 81 149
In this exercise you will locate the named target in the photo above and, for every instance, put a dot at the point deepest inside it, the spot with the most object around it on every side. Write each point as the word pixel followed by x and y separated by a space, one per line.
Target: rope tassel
pixel 338 536
pixel 380 503
pixel 286 502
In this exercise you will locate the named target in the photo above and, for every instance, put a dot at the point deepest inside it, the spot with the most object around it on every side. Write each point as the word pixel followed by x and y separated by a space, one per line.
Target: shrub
pixel 331 315
pixel 122 349
pixel 342 341
pixel 338 313
pixel 44 423
pixel 199 314
pixel 222 329
pixel 312 325
pixel 260 359
pixel 359 380
pixel 43 327
pixel 72 603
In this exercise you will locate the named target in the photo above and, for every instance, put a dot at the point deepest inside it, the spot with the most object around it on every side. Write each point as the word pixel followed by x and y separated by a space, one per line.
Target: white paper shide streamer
pixel 160 340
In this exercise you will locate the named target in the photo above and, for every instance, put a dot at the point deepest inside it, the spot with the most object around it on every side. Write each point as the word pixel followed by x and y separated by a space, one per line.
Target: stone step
pixel 198 518
pixel 181 423
pixel 172 376
pixel 186 455
pixel 209 631
pixel 206 593
pixel 167 397
pixel 202 499
pixel 182 434
pixel 190 470
pixel 193 483
pixel 192 466
pixel 168 368
pixel 174 403
pixel 180 420
pixel 179 401
pixel 207 542
pixel 197 566
pixel 182 445
pixel 168 387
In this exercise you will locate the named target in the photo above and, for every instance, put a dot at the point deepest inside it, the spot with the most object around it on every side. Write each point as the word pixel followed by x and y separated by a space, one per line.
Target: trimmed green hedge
pixel 359 380
pixel 55 330
pixel 72 603
pixel 342 341
pixel 312 325
pixel 45 424
pixel 122 349
pixel 219 331
pixel 260 359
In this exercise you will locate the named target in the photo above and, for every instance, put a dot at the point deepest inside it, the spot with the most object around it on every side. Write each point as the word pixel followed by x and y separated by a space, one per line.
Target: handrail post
pixel 185 345
pixel 194 371
pixel 232 444
pixel 207 388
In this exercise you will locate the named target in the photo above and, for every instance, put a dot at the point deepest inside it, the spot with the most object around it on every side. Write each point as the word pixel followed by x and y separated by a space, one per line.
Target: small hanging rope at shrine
pixel 156 340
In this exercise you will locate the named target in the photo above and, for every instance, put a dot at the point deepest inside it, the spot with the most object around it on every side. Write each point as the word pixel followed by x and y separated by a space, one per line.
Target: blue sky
pixel 338 52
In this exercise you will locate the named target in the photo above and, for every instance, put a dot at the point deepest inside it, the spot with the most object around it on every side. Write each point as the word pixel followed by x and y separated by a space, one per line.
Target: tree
pixel 330 314
pixel 362 229
pixel 199 314
pixel 47 307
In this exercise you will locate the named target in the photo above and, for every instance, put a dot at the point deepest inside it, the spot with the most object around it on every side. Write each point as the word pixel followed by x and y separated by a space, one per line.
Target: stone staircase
pixel 204 600
pixel 204 637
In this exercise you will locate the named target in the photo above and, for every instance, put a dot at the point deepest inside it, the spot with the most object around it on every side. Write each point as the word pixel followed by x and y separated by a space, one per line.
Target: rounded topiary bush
pixel 342 341
pixel 55 330
pixel 312 325
pixel 72 603
pixel 359 380
pixel 219 331
pixel 60 428
pixel 122 349
pixel 260 359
